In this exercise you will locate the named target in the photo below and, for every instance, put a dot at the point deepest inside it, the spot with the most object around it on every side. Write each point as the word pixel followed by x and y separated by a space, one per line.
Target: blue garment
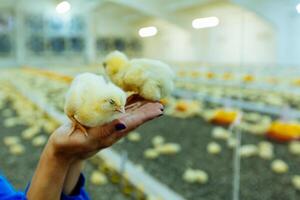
pixel 7 192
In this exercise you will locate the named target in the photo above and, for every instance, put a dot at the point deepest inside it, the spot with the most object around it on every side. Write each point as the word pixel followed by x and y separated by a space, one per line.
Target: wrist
pixel 73 177
pixel 54 154
pixel 48 179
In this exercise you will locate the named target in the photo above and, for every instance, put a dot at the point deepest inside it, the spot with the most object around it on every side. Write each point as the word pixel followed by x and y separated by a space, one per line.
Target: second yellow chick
pixel 152 79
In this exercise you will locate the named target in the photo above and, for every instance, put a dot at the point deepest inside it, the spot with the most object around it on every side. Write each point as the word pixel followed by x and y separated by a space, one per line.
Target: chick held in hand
pixel 151 79
pixel 92 101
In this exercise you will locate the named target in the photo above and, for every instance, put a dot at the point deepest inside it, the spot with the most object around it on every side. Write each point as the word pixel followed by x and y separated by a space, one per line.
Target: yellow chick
pixel 195 176
pixel 98 178
pixel 152 79
pixel 116 64
pixel 91 101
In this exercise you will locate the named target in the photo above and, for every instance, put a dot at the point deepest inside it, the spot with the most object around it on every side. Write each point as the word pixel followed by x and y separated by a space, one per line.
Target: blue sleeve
pixel 79 193
pixel 8 193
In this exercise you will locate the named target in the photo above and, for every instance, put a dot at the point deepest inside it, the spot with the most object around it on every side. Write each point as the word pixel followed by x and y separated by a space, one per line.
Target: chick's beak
pixel 121 109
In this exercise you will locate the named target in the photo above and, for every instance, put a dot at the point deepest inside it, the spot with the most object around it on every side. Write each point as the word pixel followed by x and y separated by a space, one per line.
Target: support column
pixel 90 40
pixel 20 36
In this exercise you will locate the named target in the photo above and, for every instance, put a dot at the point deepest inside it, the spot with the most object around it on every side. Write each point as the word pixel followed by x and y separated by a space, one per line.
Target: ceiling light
pixel 148 31
pixel 63 7
pixel 205 22
pixel 298 8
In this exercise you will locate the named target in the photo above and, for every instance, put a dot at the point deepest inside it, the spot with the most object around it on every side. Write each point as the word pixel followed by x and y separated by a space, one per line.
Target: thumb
pixel 131 121
pixel 64 128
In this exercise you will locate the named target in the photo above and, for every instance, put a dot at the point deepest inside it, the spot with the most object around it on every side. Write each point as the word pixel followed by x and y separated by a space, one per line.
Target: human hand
pixel 79 147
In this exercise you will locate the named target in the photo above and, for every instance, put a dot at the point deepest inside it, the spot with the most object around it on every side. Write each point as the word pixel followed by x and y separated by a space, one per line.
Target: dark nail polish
pixel 161 114
pixel 120 127
pixel 162 109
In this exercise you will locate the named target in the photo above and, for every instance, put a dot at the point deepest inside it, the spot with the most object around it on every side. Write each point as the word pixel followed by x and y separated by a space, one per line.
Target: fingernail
pixel 162 109
pixel 161 114
pixel 120 127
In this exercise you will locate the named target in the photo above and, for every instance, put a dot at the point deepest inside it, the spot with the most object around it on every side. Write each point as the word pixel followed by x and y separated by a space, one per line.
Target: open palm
pixel 78 146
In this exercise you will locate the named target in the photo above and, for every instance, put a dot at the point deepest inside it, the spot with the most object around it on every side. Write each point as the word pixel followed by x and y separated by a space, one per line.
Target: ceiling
pixel 134 11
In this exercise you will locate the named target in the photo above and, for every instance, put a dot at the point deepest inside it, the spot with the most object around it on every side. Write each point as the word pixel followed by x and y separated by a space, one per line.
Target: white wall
pixel 219 45
pixel 171 43
pixel 286 22
pixel 111 27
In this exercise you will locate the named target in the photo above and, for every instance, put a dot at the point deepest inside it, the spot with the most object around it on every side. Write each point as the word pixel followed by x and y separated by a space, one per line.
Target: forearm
pixel 72 176
pixel 47 182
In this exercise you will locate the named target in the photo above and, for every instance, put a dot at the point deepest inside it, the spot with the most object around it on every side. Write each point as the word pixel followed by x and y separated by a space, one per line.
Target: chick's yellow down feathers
pixel 152 79
pixel 116 64
pixel 91 101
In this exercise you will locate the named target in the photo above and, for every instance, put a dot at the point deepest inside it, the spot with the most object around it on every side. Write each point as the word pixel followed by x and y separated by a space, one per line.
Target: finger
pixel 118 128
pixel 150 107
pixel 141 115
pixel 132 121
pixel 64 128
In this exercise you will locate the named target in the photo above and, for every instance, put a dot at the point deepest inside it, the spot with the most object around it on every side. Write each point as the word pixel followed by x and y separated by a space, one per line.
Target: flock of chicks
pixel 184 108
pixel 260 92
pixel 264 149
pixel 93 100
pixel 208 73
pixel 250 122
pixel 254 123
pixel 27 114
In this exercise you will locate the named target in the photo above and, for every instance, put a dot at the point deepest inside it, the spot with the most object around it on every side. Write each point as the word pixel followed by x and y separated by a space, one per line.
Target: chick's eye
pixel 112 102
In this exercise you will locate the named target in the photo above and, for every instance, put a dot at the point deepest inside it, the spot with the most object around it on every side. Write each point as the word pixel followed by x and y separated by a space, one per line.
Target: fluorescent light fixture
pixel 298 8
pixel 63 7
pixel 148 31
pixel 205 22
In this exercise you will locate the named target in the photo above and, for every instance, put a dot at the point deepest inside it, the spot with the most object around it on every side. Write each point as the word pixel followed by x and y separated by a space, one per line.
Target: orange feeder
pixel 210 75
pixel 181 106
pixel 284 131
pixel 248 78
pixel 297 82
pixel 224 117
